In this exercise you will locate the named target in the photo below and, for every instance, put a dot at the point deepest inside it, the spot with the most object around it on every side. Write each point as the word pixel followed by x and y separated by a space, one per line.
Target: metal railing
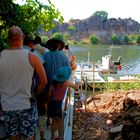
pixel 66 112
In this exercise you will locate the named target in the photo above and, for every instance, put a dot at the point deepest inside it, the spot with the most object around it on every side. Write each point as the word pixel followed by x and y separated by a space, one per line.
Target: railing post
pixel 88 59
pixel 62 125
pixel 81 76
pixel 86 94
pixel 93 78
pixel 63 110
pixel 69 97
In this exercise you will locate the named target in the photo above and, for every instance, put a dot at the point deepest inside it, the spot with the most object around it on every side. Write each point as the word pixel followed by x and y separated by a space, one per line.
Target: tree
pixel 133 39
pixel 58 36
pixel 66 37
pixel 44 39
pixel 71 28
pixel 102 14
pixel 126 39
pixel 138 38
pixel 29 17
pixel 94 39
pixel 114 39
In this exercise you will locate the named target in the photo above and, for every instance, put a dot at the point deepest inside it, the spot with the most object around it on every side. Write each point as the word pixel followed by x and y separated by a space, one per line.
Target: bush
pixel 102 14
pixel 66 37
pixel 126 39
pixel 115 39
pixel 94 39
pixel 3 44
pixel 44 39
pixel 84 41
pixel 138 38
pixel 71 28
pixel 133 39
pixel 58 36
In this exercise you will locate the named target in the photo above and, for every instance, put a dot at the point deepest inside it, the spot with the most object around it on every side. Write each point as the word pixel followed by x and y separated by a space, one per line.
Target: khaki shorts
pixel 41 123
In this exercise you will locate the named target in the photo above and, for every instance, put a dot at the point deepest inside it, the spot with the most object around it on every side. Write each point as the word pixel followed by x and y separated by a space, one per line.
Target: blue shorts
pixel 22 122
pixel 55 109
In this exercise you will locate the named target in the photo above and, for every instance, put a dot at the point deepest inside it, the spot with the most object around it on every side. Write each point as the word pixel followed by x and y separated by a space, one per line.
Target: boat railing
pixel 67 113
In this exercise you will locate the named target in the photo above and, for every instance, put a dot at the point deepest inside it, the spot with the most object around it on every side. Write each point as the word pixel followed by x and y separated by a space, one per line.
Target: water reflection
pixel 130 56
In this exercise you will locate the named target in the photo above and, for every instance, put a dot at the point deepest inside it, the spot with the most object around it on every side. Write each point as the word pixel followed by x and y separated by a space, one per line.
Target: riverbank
pixel 112 109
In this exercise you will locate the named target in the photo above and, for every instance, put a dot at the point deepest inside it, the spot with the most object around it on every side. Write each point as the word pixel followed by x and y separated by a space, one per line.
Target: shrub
pixel 71 28
pixel 58 36
pixel 133 39
pixel 44 39
pixel 138 38
pixel 115 39
pixel 66 37
pixel 102 14
pixel 94 39
pixel 84 41
pixel 126 39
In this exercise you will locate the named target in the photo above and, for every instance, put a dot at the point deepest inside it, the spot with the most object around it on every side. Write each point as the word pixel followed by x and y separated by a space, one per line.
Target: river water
pixel 130 56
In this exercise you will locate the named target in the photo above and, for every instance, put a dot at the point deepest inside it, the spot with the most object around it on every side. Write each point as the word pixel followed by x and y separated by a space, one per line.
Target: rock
pixel 120 109
pixel 109 122
pixel 116 129
pixel 97 25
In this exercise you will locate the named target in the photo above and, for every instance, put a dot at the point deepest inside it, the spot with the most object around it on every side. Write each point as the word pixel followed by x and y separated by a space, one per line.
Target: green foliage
pixel 36 14
pixel 103 14
pixel 94 39
pixel 84 41
pixel 71 28
pixel 66 37
pixel 58 36
pixel 133 39
pixel 108 86
pixel 29 17
pixel 114 39
pixel 138 38
pixel 126 39
pixel 44 39
pixel 121 86
pixel 3 44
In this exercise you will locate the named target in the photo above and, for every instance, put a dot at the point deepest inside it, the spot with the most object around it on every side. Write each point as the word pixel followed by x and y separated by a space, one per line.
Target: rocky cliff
pixel 97 25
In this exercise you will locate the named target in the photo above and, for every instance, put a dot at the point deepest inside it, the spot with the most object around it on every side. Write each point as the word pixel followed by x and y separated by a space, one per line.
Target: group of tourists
pixel 33 81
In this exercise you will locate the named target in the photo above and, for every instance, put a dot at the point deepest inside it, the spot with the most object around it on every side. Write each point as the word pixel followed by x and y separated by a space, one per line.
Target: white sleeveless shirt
pixel 16 75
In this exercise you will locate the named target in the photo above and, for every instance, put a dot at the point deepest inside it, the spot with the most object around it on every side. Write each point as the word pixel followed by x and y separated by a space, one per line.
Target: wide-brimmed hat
pixel 54 43
pixel 63 74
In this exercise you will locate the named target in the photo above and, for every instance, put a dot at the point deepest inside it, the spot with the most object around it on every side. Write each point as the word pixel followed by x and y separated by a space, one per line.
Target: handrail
pixel 66 112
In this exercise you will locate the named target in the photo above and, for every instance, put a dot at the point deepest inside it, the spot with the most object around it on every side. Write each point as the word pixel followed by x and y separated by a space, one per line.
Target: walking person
pixel 70 56
pixel 42 113
pixel 17 66
pixel 54 59
pixel 56 95
pixel 38 46
pixel 29 44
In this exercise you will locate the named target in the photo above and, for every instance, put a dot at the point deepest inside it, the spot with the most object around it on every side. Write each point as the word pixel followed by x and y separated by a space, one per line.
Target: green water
pixel 130 56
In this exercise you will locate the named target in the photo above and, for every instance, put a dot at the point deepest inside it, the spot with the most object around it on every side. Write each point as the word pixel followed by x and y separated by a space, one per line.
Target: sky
pixel 81 9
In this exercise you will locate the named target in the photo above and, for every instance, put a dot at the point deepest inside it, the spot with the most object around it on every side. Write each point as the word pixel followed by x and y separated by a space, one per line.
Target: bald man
pixel 17 66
